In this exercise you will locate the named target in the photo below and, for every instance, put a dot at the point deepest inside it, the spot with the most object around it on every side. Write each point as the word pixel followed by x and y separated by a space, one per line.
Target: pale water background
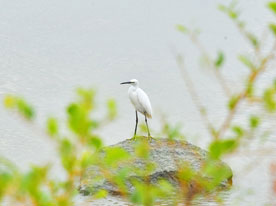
pixel 48 48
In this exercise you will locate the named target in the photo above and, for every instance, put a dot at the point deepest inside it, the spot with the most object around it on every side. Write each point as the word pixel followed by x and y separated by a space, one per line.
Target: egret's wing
pixel 144 101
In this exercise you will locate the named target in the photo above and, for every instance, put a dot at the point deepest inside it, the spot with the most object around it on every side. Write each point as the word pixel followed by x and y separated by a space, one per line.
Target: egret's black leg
pixel 136 123
pixel 147 125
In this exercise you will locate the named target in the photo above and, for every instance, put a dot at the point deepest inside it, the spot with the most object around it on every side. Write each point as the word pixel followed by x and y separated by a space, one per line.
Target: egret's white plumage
pixel 140 101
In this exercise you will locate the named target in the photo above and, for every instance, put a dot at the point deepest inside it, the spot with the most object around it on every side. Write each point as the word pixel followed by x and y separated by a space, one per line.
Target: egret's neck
pixel 133 87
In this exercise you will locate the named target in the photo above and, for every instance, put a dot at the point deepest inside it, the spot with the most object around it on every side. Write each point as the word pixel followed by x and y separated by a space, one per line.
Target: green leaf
pixel 67 153
pixel 250 89
pixel 222 8
pixel 219 147
pixel 52 126
pixel 273 28
pixel 229 10
pixel 269 99
pixel 86 159
pixel 115 155
pixel 137 195
pixel 239 131
pixel 220 59
pixel 9 101
pixel 272 6
pixel 247 62
pixel 112 109
pixel 142 149
pixel 182 28
pixel 95 142
pixel 232 102
pixel 253 39
pixel 216 173
pixel 78 119
pixel 100 194
pixel 185 172
pixel 25 109
pixel 254 121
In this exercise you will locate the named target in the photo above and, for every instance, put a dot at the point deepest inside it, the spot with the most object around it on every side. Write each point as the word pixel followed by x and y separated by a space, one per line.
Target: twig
pixel 195 98
pixel 252 79
pixel 217 73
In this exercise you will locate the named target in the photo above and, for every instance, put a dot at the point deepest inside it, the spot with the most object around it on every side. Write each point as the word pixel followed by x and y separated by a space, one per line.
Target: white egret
pixel 140 101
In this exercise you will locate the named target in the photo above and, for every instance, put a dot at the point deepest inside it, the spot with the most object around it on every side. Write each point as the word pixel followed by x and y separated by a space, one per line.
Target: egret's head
pixel 133 82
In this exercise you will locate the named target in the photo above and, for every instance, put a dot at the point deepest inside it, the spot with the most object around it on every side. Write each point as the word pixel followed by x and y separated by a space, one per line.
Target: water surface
pixel 48 48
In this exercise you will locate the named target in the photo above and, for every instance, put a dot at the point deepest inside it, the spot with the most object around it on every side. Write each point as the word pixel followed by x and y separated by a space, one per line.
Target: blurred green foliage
pixel 220 60
pixel 79 149
pixel 76 153
pixel 20 105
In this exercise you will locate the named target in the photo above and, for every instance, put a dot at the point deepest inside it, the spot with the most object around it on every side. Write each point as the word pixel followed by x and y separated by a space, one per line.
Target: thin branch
pixel 244 94
pixel 217 73
pixel 195 98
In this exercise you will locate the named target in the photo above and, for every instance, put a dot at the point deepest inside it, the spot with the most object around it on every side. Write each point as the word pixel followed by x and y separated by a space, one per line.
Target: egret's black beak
pixel 126 83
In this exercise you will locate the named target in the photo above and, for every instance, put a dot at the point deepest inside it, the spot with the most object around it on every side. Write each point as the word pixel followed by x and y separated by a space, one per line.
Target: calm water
pixel 48 48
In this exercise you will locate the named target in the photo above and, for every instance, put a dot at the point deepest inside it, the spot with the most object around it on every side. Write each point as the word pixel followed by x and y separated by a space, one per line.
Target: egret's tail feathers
pixel 148 115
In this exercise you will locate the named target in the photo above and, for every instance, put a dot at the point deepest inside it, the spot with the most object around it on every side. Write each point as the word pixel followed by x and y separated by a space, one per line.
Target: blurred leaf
pixel 120 179
pixel 254 121
pixel 86 159
pixel 25 109
pixel 78 119
pixel 172 132
pixel 21 105
pixel 67 152
pixel 229 10
pixel 86 98
pixel 253 39
pixel 272 6
pixel 219 147
pixel 112 109
pixel 95 142
pixel 9 101
pixel 222 7
pixel 182 28
pixel 79 113
pixel 269 99
pixel 94 124
pixel 185 172
pixel 143 128
pixel 250 89
pixel 5 180
pixel 137 195
pixel 32 181
pixel 246 62
pixel 238 131
pixel 233 101
pixel 115 155
pixel 100 194
pixel 220 59
pixel 216 173
pixel 273 28
pixel 165 189
pixel 52 126
pixel 142 149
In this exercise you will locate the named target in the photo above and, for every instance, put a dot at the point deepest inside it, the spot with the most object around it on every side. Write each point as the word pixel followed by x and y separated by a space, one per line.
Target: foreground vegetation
pixel 79 149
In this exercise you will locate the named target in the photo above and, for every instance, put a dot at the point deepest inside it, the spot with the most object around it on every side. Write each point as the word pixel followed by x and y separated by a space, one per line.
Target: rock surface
pixel 165 154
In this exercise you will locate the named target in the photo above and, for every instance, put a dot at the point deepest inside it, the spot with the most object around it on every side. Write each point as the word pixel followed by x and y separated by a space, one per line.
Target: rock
pixel 166 155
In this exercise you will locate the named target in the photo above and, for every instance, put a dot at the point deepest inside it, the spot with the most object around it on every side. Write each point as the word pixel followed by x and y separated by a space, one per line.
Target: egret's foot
pixel 150 138
pixel 133 138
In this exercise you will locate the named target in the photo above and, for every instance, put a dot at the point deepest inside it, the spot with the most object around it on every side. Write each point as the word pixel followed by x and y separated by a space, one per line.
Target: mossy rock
pixel 167 159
